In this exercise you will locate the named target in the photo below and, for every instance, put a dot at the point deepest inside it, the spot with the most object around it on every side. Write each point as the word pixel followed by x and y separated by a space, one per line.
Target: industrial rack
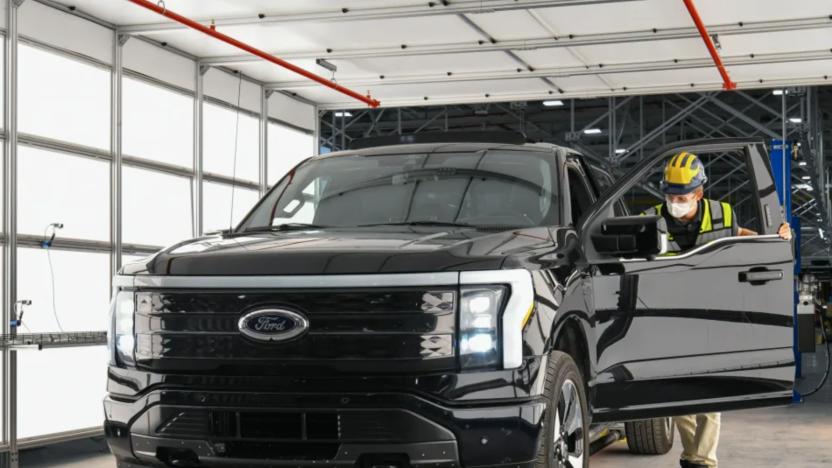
pixel 52 340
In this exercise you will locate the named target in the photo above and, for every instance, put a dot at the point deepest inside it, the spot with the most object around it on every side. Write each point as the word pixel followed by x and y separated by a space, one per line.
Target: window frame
pixel 602 208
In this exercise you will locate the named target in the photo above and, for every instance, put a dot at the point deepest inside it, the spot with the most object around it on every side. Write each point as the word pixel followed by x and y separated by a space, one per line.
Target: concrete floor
pixel 798 436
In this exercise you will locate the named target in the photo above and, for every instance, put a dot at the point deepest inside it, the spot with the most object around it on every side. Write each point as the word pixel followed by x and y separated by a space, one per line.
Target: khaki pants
pixel 700 437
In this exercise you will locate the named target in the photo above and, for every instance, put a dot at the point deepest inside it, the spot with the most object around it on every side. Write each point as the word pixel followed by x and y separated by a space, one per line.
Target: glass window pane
pixel 157 123
pixel 82 376
pixel 218 142
pixel 157 207
pixel 287 147
pixel 81 294
pixel 2 387
pixel 81 299
pixel 217 205
pixel 127 258
pixel 2 83
pixel 61 188
pixel 63 98
pixel 2 181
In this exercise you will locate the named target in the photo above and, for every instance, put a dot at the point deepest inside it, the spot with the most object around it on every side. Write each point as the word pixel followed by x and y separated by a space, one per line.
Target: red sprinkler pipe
pixel 211 31
pixel 726 80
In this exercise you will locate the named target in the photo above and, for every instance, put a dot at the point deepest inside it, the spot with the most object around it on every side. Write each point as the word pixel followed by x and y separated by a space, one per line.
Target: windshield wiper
pixel 285 227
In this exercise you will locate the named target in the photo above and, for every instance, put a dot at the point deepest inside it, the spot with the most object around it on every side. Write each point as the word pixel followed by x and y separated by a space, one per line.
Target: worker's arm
pixel 785 231
pixel 747 232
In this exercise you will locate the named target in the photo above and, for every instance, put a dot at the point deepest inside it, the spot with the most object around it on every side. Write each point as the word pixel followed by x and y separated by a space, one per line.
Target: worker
pixel 692 220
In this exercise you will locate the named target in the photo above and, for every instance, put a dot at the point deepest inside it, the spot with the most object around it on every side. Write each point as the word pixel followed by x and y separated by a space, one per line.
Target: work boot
pixel 688 464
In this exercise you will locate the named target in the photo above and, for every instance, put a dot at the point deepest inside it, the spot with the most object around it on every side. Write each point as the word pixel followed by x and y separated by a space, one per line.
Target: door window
pixel 730 180
pixel 578 194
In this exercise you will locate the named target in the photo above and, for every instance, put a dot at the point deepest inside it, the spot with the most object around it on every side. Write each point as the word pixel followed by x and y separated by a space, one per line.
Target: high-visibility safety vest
pixel 717 222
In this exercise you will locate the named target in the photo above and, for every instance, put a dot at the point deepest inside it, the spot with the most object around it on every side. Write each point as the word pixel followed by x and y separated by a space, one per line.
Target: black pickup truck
pixel 446 304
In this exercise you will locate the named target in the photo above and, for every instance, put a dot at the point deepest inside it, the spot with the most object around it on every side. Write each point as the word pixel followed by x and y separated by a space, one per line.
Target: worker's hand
pixel 785 231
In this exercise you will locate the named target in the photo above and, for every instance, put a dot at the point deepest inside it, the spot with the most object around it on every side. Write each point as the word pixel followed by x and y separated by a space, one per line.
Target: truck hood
pixel 394 249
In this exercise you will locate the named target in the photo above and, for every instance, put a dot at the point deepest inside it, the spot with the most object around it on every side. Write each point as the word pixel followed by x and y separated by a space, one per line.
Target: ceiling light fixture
pixel 326 64
pixel 802 163
pixel 795 120
pixel 620 151
pixel 777 92
pixel 553 103
pixel 343 114
pixel 592 131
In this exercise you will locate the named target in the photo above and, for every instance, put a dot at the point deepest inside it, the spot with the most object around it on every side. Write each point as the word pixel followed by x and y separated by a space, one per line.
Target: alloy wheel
pixel 568 448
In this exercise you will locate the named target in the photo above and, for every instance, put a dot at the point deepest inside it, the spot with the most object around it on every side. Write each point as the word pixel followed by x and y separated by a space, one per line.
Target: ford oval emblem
pixel 273 325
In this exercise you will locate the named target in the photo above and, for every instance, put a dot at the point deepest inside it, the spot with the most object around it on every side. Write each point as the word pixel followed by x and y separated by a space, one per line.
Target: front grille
pixel 301 432
pixel 262 425
pixel 249 425
pixel 349 330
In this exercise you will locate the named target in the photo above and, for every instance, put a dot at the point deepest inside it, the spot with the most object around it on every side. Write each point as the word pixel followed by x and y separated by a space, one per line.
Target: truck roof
pixel 440 147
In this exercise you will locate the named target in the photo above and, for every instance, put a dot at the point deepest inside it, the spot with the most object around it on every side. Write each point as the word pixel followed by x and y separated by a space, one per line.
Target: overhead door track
pixel 255 51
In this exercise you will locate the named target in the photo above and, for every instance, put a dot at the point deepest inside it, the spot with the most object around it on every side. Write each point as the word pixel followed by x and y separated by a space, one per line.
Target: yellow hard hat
pixel 683 173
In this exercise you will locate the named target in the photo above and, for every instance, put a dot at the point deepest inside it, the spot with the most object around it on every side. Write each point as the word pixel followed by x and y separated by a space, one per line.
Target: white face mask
pixel 679 210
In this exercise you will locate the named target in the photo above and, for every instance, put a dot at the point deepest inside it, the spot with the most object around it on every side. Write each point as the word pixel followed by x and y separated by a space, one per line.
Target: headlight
pixel 122 340
pixel 479 334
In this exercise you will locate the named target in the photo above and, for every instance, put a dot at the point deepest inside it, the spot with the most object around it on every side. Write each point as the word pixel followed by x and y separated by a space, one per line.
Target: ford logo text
pixel 273 324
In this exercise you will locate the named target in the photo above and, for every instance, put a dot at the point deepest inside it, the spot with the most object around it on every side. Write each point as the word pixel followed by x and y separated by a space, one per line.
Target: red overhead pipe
pixel 726 80
pixel 211 31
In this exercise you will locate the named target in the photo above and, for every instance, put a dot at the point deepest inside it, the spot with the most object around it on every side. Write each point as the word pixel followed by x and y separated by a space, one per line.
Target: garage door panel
pixel 605 18
pixel 649 51
pixel 681 78
pixel 509 25
pixel 774 42
pixel 550 58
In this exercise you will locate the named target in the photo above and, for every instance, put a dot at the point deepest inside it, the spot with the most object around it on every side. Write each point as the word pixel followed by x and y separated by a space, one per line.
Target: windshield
pixel 494 188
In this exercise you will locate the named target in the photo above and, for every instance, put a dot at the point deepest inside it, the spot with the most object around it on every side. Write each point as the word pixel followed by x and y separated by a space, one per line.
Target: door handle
pixel 762 276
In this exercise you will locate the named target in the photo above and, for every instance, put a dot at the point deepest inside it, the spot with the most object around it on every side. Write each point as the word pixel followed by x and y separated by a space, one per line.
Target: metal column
pixel 10 459
pixel 264 141
pixel 199 73
pixel 116 149
pixel 316 146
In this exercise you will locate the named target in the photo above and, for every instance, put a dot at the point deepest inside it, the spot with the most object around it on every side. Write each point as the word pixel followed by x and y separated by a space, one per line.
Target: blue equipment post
pixel 781 168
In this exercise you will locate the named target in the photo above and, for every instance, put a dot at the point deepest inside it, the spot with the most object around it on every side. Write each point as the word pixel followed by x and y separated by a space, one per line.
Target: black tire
pixel 563 377
pixel 650 436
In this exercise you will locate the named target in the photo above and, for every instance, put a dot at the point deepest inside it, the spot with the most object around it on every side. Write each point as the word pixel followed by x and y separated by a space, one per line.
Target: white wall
pixel 157 182
pixel 292 111
pixel 48 25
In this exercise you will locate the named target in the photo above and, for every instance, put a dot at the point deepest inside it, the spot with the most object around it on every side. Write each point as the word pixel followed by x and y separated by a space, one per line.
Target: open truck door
pixel 708 329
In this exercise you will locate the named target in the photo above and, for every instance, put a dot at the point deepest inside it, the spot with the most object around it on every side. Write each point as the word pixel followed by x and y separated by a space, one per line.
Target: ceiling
pixel 408 52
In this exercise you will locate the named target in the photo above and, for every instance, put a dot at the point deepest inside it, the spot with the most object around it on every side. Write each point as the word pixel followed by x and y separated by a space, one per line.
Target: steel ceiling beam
pixel 563 72
pixel 665 125
pixel 396 50
pixel 723 121
pixel 537 95
pixel 753 123
pixel 421 9
pixel 211 31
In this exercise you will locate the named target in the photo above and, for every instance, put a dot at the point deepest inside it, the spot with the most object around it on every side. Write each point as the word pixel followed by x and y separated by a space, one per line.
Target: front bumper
pixel 193 428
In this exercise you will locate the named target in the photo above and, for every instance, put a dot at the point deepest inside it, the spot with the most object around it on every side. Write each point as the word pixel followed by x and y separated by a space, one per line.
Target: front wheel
pixel 565 443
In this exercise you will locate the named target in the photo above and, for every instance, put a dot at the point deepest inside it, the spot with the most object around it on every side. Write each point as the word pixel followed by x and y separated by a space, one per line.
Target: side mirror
pixel 630 236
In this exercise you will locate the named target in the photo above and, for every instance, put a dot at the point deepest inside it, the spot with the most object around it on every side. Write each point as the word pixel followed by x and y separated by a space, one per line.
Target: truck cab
pixel 449 303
